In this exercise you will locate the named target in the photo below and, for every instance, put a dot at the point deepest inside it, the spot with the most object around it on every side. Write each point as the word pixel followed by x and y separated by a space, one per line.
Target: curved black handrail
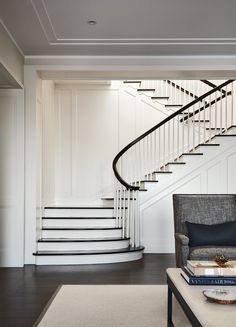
pixel 138 139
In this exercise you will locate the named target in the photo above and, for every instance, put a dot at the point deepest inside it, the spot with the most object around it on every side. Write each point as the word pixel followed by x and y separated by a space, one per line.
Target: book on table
pixel 192 279
pixel 211 268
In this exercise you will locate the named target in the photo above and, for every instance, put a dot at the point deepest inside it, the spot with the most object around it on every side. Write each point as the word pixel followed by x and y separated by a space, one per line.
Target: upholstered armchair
pixel 208 209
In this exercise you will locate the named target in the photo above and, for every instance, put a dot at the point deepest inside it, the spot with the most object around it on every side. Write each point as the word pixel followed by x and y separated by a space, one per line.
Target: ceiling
pixel 124 27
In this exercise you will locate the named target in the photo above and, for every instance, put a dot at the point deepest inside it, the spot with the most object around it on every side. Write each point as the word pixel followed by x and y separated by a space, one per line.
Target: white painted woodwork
pixel 82 246
pixel 88 259
pixel 211 173
pixel 11 178
pixel 11 60
pixel 32 181
pixel 82 222
pixel 78 156
pixel 158 231
pixel 81 233
pixel 87 212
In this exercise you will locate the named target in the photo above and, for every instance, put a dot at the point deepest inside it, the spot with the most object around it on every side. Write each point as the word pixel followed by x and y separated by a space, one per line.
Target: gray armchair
pixel 201 209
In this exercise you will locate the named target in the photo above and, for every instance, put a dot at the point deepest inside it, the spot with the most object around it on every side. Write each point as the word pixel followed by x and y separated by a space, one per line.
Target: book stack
pixel 209 273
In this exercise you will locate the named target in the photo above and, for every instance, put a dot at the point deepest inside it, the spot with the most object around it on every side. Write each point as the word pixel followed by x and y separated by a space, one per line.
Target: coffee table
pixel 199 311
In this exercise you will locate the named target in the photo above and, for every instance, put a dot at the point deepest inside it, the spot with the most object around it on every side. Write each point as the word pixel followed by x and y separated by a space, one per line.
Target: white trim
pixel 11 37
pixel 137 62
pixel 12 75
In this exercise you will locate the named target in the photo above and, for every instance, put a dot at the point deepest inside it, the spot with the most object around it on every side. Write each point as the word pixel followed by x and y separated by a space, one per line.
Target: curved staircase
pixel 199 116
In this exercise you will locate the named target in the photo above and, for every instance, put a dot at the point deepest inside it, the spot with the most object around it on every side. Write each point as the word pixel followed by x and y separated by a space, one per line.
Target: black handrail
pixel 138 139
pixel 210 84
pixel 206 106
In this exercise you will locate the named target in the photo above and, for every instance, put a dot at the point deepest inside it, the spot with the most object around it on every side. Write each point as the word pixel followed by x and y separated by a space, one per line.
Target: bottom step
pixel 88 257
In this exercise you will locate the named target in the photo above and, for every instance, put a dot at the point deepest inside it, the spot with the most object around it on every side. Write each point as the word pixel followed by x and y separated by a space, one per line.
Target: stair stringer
pixel 209 174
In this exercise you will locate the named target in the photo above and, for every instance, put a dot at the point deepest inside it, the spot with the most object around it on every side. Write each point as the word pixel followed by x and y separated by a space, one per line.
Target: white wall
pixel 11 178
pixel 212 173
pixel 91 122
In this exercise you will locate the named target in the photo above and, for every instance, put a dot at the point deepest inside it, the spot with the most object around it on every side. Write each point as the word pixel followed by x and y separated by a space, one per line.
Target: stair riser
pixel 88 259
pixel 161 177
pixel 225 140
pixel 175 108
pixel 77 246
pixel 78 213
pixel 109 203
pixel 161 101
pixel 81 233
pixel 189 159
pixel 147 93
pixel 175 167
pixel 89 222
pixel 207 150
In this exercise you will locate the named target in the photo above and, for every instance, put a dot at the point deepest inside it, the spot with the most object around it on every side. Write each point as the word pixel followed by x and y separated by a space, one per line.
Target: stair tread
pixel 80 228
pixel 126 82
pixel 151 90
pixel 176 163
pixel 104 239
pixel 153 98
pixel 173 105
pixel 78 207
pixel 214 128
pixel 209 144
pixel 225 135
pixel 78 217
pixel 147 181
pixel 201 120
pixel 192 154
pixel 162 172
pixel 90 252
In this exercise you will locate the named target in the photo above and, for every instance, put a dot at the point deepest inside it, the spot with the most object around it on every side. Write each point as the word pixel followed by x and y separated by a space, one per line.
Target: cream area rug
pixel 110 306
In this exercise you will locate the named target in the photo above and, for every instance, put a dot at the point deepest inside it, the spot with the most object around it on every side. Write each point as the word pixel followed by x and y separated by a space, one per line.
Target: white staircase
pixel 82 235
pixel 195 131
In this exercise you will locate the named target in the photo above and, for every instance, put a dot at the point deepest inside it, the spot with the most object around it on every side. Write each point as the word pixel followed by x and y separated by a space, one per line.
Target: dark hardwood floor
pixel 24 292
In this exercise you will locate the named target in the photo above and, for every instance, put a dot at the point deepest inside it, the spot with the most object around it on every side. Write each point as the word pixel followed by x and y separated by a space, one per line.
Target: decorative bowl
pixel 220 296
pixel 221 260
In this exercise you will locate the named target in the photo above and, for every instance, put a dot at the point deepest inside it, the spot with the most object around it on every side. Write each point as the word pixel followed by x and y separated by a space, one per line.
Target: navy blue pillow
pixel 219 234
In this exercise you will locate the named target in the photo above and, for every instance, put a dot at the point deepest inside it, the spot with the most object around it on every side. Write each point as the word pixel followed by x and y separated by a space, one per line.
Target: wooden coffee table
pixel 199 311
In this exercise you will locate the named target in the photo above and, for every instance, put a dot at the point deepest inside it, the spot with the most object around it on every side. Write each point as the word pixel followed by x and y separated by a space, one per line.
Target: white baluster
pixel 232 104
pixel 137 242
pixel 128 214
pixel 210 122
pixel 168 140
pixel 216 113
pixel 164 147
pixel 226 108
pixel 221 111
pixel 124 213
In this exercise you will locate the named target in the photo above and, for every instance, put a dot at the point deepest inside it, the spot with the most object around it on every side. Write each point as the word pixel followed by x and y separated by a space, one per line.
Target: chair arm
pixel 181 249
pixel 182 239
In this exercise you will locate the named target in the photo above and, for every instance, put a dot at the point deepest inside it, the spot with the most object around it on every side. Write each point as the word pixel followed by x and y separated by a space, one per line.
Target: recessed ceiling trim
pixel 44 20
pixel 53 39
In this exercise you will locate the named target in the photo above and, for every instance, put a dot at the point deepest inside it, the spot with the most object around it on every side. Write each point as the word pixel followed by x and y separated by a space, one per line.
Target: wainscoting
pixel 11 178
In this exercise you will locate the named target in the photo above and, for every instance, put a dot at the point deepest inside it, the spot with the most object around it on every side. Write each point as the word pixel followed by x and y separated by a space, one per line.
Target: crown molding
pixel 11 37
pixel 221 62
pixel 132 67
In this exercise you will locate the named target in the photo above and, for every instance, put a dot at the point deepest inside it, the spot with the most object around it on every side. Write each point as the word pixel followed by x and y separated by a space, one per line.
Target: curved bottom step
pixel 86 244
pixel 88 257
